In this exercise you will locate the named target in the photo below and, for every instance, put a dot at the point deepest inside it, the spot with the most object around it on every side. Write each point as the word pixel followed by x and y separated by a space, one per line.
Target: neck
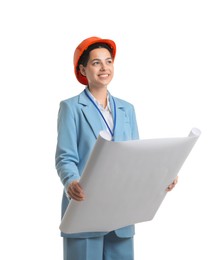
pixel 100 95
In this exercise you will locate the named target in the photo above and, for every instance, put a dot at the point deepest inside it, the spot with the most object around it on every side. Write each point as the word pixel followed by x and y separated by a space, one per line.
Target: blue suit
pixel 79 124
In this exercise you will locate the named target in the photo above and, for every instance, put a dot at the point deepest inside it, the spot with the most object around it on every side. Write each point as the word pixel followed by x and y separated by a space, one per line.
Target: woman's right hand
pixel 75 191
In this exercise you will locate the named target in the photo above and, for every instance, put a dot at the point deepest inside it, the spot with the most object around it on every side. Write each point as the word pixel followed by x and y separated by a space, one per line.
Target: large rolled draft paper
pixel 125 182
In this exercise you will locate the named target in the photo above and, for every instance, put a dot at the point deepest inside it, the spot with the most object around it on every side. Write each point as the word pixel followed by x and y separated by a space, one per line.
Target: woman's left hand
pixel 172 185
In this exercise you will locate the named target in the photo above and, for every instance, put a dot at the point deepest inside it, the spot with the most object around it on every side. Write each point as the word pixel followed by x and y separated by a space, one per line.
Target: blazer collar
pixel 91 114
pixel 93 118
pixel 120 117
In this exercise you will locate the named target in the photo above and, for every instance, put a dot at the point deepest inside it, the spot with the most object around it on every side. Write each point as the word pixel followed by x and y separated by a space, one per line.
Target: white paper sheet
pixel 125 182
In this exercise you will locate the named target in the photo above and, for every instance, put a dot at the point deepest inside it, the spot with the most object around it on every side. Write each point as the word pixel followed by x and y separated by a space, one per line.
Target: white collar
pixel 97 102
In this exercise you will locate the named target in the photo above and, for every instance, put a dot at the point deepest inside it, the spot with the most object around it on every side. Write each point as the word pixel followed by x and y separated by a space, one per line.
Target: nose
pixel 103 66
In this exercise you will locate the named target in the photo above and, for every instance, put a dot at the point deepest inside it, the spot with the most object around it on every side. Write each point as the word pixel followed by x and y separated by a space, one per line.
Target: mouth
pixel 103 75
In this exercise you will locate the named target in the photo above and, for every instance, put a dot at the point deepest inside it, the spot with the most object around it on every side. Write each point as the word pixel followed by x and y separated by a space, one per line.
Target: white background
pixel 165 66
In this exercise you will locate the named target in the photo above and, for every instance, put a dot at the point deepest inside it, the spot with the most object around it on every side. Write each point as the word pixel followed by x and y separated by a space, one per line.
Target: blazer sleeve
pixel 66 157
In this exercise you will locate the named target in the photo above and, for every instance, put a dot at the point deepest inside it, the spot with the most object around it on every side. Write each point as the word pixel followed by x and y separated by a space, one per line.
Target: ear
pixel 82 70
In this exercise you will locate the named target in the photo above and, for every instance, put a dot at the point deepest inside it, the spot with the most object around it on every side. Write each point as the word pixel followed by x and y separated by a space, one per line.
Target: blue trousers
pixel 108 247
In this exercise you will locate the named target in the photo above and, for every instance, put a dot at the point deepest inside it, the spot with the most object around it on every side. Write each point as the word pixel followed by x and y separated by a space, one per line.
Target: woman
pixel 80 120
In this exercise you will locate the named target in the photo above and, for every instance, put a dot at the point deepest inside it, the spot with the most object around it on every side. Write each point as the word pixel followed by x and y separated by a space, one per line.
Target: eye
pixel 95 63
pixel 109 61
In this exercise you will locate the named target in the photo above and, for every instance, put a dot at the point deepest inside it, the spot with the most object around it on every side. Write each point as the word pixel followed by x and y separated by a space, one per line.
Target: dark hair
pixel 86 54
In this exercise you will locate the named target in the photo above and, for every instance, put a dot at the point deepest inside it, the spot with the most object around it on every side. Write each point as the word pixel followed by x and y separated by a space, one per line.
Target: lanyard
pixel 114 118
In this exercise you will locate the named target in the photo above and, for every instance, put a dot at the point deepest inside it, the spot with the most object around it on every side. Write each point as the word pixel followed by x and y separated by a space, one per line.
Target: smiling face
pixel 99 69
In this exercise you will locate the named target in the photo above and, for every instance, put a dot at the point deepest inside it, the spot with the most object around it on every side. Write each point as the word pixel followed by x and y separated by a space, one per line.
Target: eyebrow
pixel 109 58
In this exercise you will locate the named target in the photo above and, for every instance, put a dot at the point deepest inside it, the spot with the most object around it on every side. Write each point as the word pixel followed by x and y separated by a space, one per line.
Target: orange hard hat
pixel 80 50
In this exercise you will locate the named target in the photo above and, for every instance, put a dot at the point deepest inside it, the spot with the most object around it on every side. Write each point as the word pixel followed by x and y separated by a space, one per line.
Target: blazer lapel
pixel 91 114
pixel 120 119
pixel 94 119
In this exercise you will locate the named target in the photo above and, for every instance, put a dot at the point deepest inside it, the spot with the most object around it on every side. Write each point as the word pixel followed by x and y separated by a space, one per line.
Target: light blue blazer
pixel 79 124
